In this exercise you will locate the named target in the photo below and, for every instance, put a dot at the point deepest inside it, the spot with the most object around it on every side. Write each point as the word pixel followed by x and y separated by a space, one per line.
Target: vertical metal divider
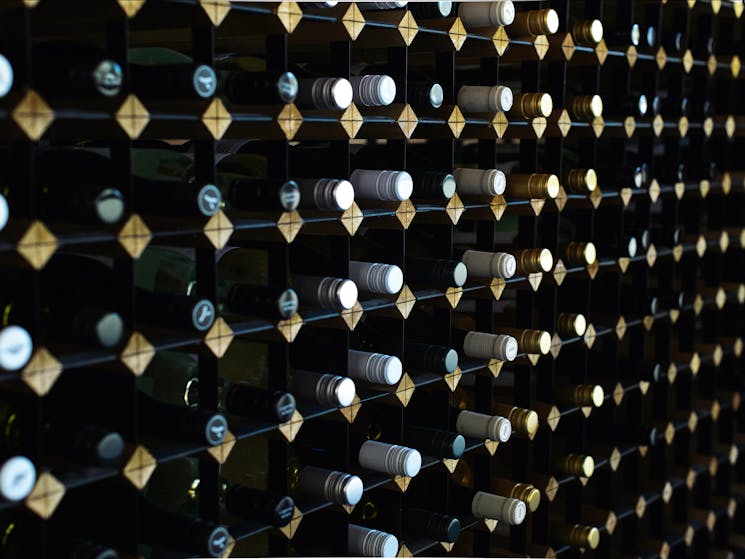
pixel 277 57
pixel 203 44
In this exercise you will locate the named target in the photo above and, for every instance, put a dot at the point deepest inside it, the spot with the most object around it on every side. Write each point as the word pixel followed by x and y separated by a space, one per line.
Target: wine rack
pixel 626 434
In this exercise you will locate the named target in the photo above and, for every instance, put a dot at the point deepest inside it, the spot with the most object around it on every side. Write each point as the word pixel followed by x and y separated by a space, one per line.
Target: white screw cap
pixel 489 264
pixel 487 14
pixel 481 345
pixel 366 542
pixel 483 426
pixel 390 458
pixel 374 367
pixel 5 211
pixel 6 76
pixel 480 182
pixel 485 99
pixel 395 186
pixel 16 347
pixel 377 278
pixel 17 478
pixel 504 509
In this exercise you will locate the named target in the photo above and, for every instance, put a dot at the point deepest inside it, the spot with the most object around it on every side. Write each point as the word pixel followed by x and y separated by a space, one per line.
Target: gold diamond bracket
pixel 219 337
pixel 494 366
pixel 405 213
pixel 290 328
pixel 402 482
pixel 216 10
pixel 405 301
pixel 216 119
pixel 629 126
pixel 452 379
pixel 134 236
pixel 36 245
pixel 454 209
pixel 352 316
pixel 41 372
pixel 350 412
pixel 405 389
pixel 351 219
pixel 453 296
pixel 45 496
pixel 289 225
pixel 290 529
pixel 130 7
pixel 32 115
pixel 218 230
pixel 137 354
pixel 496 287
pixel 132 117
pixel 620 328
pixel 221 451
pixel 139 467
pixel 290 429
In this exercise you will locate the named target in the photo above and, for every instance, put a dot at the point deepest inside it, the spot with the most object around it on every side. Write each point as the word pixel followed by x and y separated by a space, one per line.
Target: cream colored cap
pixel 580 324
pixel 590 253
pixel 598 396
pixel 552 186
pixel 546 260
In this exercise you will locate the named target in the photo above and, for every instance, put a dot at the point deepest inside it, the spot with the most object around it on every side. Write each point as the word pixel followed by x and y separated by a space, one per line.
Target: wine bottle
pixel 570 325
pixel 483 345
pixel 484 98
pixel 389 459
pixel 528 341
pixel 435 442
pixel 67 322
pixel 373 90
pixel 82 443
pixel 431 358
pixel 579 253
pixel 74 70
pixel 532 105
pixel 16 347
pixel 172 377
pixel 387 279
pixel 369 184
pixel 5 210
pixel 375 368
pixel 623 177
pixel 586 107
pixel 245 400
pixel 158 73
pixel 525 492
pixel 245 80
pixel 17 478
pixel 498 13
pixel 575 464
pixel 533 185
pixel 374 6
pixel 581 181
pixel 576 535
pixel 591 395
pixel 326 292
pixel 329 485
pixel 322 92
pixel 588 32
pixel 436 272
pixel 431 10
pixel 422 92
pixel 324 389
pixel 483 426
pixel 533 260
pixel 488 505
pixel 110 410
pixel 532 23
pixel 155 525
pixel 636 105
pixel 366 542
pixel 623 35
pixel 17 533
pixel 480 182
pixel 6 77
